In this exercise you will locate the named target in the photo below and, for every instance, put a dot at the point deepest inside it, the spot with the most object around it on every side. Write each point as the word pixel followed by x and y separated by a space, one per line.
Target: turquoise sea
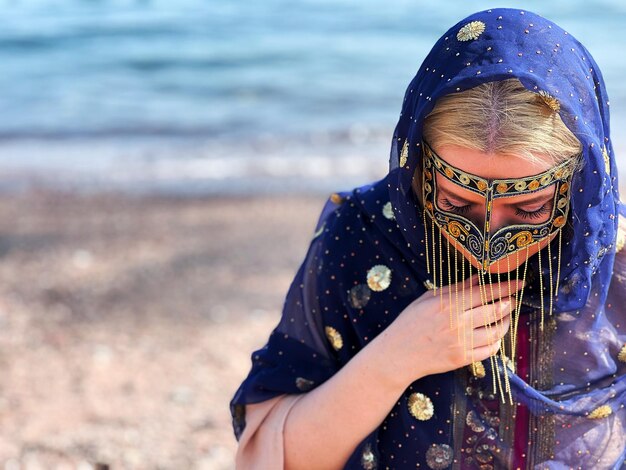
pixel 192 96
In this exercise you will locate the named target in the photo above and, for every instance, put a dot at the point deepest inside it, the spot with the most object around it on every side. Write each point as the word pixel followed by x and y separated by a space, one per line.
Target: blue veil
pixel 574 392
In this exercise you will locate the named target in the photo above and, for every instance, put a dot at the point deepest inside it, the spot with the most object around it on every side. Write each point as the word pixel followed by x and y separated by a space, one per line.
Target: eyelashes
pixel 533 214
pixel 447 205
pixel 463 210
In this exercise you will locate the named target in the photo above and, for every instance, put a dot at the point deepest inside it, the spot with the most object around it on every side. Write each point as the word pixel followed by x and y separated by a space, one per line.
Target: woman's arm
pixel 261 442
pixel 323 428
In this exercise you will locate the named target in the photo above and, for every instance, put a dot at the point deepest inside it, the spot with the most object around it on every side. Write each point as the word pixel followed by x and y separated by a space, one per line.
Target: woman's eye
pixel 447 205
pixel 533 214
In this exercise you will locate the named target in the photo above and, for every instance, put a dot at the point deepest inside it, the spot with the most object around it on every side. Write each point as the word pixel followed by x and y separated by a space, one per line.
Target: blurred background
pixel 162 166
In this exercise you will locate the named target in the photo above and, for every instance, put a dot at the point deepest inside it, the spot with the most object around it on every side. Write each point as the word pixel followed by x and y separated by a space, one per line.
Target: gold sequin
pixel 379 277
pixel 304 384
pixel 550 100
pixel 368 459
pixel 359 295
pixel 559 221
pixel 473 421
pixel 481 185
pixel 388 211
pixel 502 188
pixel 477 369
pixel 621 356
pixel 471 31
pixel 607 160
pixel 533 185
pixel 334 337
pixel 319 231
pixel 420 406
pixel 428 284
pixel 336 198
pixel 439 456
pixel 404 155
pixel 600 412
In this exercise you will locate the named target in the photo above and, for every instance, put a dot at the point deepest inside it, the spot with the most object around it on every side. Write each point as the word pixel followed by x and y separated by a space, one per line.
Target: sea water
pixel 238 96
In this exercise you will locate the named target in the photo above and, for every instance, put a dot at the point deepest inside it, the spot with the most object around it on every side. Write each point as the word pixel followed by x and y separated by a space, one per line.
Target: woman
pixel 502 201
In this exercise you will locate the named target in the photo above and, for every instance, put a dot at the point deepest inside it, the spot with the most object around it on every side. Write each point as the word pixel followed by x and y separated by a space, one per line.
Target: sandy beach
pixel 126 323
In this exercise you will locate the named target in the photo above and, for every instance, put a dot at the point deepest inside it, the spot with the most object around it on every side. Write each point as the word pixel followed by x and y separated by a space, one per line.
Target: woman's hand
pixel 432 336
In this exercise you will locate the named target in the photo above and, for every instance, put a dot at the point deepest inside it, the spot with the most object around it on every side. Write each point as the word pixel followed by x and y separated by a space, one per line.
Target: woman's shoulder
pixel 365 207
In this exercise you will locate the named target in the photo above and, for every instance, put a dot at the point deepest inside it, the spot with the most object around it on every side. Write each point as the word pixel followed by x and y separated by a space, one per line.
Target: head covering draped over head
pixel 367 262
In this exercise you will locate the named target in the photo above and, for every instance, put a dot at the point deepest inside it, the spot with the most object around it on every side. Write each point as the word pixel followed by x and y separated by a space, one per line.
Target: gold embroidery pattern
pixel 404 154
pixel 379 277
pixel 550 100
pixel 334 337
pixel 368 459
pixel 607 160
pixel 471 31
pixel 542 378
pixel 600 412
pixel 359 295
pixel 510 187
pixel 304 384
pixel 477 369
pixel 420 406
pixel 336 198
pixel 439 456
pixel 388 211
pixel 621 356
pixel 486 247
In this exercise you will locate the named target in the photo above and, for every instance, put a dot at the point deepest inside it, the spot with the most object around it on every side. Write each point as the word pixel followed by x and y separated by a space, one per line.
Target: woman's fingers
pixel 469 283
pixel 483 352
pixel 486 335
pixel 491 293
pixel 490 313
pixel 482 294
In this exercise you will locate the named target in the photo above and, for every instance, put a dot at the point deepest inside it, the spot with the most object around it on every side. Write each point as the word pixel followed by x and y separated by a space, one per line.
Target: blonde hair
pixel 503 117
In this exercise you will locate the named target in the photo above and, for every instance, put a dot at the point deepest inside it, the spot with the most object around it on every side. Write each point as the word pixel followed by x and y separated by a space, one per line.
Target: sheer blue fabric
pixel 575 390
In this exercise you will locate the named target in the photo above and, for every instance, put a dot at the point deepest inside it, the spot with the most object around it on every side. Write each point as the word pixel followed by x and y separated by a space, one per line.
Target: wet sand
pixel 127 323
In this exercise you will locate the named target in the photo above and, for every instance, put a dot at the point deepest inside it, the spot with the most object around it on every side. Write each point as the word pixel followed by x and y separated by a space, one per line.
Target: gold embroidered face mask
pixel 487 246
pixel 484 244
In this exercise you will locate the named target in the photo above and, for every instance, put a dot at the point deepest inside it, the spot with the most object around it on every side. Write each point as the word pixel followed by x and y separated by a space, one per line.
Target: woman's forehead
pixel 492 166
